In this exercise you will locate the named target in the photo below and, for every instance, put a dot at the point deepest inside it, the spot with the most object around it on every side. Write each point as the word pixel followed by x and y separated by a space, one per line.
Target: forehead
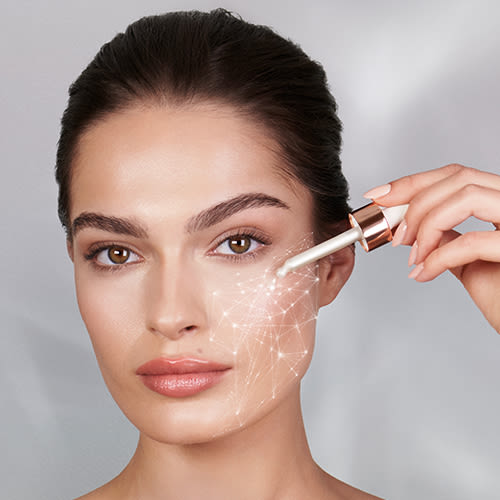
pixel 176 156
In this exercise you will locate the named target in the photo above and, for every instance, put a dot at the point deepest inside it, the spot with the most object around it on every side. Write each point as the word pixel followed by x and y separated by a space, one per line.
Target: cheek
pixel 269 329
pixel 110 315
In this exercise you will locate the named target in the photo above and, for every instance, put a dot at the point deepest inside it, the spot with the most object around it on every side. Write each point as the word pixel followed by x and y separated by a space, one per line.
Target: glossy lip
pixel 181 377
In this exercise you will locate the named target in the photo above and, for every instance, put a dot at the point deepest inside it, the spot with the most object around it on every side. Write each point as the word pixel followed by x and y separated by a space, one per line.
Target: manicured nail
pixel 416 271
pixel 378 191
pixel 413 254
pixel 399 234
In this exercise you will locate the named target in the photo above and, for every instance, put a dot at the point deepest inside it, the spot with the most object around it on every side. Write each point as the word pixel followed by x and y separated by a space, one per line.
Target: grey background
pixel 402 397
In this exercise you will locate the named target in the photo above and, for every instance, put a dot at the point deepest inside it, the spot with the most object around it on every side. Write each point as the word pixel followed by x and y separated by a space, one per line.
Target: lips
pixel 181 377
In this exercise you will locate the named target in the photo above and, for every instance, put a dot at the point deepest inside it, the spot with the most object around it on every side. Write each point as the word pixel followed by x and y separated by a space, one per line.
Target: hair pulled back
pixel 186 57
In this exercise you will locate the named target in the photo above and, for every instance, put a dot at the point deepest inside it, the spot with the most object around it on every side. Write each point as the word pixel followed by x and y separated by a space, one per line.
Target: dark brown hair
pixel 186 57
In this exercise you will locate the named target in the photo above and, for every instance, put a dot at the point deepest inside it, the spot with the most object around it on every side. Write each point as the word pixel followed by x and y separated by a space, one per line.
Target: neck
pixel 267 459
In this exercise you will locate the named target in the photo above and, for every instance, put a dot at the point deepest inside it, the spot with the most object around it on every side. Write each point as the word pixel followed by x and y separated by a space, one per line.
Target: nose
pixel 175 301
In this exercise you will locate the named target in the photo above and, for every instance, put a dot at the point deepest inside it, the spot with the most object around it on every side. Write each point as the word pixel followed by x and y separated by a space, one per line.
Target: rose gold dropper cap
pixel 372 226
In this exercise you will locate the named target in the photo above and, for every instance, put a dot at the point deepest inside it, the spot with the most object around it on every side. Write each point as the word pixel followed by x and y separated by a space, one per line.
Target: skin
pixel 159 168
pixel 439 200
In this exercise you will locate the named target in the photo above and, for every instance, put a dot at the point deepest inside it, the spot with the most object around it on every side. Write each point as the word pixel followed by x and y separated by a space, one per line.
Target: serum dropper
pixel 371 225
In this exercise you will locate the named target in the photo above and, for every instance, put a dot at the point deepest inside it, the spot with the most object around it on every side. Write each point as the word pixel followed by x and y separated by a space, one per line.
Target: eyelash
pixel 95 250
pixel 252 234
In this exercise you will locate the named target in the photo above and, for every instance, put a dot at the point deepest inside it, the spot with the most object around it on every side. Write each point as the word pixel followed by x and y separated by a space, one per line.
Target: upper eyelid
pixel 236 236
pixel 264 242
pixel 96 248
pixel 252 232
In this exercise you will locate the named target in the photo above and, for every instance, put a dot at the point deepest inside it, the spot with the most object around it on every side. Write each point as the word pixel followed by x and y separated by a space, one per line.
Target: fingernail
pixel 416 271
pixel 378 191
pixel 399 234
pixel 413 254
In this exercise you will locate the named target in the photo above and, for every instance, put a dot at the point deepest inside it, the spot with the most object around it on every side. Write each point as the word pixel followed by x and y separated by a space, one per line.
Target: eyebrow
pixel 205 219
pixel 116 225
pixel 217 213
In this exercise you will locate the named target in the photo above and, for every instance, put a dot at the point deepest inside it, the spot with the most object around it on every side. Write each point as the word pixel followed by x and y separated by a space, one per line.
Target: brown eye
pixel 118 255
pixel 112 256
pixel 240 244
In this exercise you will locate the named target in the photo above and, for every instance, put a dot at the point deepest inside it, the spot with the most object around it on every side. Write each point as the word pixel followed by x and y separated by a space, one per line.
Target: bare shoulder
pixel 338 490
pixel 350 493
pixel 102 493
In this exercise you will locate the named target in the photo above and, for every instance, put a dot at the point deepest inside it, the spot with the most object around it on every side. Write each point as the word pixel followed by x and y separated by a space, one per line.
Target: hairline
pixel 282 166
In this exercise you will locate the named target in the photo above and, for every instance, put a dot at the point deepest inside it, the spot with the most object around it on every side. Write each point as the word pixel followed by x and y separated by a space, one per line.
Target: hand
pixel 439 200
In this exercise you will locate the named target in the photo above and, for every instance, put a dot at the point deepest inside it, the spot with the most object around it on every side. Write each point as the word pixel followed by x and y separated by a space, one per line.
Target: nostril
pixel 189 328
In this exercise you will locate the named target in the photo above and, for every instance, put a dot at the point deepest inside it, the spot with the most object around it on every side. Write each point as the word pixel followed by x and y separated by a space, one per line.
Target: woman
pixel 196 153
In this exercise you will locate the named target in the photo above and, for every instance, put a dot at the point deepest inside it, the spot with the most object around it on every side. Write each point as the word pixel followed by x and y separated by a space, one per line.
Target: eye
pixel 238 244
pixel 114 256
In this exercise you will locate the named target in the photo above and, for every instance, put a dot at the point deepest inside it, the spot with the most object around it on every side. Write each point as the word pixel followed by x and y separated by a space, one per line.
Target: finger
pixel 426 200
pixel 470 201
pixel 403 190
pixel 433 194
pixel 460 251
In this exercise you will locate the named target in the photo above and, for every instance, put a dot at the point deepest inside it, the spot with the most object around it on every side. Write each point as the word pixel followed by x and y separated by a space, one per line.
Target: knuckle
pixel 466 175
pixel 453 168
pixel 470 190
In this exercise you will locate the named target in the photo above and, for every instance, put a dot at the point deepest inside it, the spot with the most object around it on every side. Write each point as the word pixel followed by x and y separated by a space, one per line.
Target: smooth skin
pixel 159 167
pixel 439 200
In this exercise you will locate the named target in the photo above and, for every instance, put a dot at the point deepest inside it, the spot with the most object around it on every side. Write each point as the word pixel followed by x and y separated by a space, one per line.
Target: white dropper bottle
pixel 371 225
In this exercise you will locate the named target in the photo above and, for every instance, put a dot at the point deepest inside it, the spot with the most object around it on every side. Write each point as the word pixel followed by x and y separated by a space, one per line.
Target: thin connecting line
pixel 267 320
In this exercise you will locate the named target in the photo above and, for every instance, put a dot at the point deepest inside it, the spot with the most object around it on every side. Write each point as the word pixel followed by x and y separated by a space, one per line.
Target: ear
pixel 69 248
pixel 334 271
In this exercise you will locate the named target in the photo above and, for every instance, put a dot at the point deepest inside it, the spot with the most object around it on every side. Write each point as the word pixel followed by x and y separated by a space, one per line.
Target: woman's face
pixel 180 218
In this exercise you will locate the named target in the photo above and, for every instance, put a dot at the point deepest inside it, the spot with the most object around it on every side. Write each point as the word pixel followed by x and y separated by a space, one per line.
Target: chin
pixel 208 416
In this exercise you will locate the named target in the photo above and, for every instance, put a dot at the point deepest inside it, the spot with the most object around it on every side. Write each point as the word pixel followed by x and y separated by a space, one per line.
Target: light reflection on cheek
pixel 266 326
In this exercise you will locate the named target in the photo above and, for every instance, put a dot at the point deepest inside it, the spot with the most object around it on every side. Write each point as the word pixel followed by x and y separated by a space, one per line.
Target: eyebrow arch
pixel 116 225
pixel 217 213
pixel 209 217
